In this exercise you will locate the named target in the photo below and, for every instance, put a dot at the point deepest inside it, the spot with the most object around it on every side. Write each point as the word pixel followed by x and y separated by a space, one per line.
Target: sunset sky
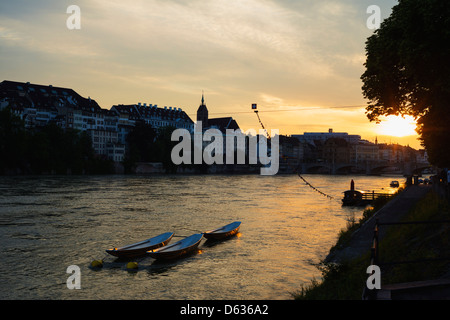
pixel 299 60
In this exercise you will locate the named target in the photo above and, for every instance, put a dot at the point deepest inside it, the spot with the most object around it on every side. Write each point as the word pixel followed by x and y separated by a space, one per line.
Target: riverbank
pixel 393 211
pixel 344 269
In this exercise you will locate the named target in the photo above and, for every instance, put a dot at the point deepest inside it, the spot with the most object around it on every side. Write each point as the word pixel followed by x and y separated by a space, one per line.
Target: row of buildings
pixel 38 105
pixel 340 152
pixel 341 147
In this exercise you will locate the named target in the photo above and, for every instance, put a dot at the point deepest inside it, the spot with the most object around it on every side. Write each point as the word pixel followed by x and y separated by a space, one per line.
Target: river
pixel 49 223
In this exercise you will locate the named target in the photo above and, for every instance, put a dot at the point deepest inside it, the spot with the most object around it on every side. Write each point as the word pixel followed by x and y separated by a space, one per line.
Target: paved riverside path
pixel 362 239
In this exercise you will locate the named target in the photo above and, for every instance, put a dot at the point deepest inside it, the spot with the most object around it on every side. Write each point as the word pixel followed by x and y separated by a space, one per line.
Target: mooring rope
pixel 262 125
pixel 314 188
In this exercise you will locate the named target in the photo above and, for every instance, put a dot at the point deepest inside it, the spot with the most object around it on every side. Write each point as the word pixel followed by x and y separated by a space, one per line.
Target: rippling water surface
pixel 50 223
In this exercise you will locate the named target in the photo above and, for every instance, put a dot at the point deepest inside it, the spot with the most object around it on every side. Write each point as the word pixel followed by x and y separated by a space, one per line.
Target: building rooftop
pixel 143 111
pixel 223 123
pixel 27 95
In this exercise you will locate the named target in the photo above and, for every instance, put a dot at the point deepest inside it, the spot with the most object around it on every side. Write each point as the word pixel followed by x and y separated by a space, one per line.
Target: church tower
pixel 202 113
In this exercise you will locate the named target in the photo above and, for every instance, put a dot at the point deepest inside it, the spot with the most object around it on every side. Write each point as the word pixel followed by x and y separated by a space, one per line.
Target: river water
pixel 50 223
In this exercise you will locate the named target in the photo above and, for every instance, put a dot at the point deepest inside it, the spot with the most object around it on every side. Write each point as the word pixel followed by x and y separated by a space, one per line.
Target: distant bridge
pixel 369 167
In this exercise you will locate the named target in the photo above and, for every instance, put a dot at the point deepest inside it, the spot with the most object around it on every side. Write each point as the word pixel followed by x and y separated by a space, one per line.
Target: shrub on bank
pixel 404 243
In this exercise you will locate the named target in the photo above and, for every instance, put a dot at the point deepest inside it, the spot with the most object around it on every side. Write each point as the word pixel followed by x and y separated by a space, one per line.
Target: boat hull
pixel 356 203
pixel 178 249
pixel 224 232
pixel 140 248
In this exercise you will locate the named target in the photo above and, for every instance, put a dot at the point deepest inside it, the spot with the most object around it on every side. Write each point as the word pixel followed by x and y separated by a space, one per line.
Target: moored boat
pixel 140 248
pixel 177 249
pixel 223 232
pixel 395 184
pixel 356 198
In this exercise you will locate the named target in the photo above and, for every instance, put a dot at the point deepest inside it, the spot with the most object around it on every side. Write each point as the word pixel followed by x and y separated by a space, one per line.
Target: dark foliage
pixel 408 71
pixel 46 150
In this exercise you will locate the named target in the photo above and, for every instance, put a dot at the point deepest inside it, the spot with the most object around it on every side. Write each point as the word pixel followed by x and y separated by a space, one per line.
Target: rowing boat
pixel 177 249
pixel 223 232
pixel 140 248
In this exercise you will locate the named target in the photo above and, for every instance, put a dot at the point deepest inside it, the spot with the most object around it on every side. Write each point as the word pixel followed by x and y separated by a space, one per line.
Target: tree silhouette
pixel 408 71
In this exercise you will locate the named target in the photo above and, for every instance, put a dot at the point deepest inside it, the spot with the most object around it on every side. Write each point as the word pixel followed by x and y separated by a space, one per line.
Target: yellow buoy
pixel 97 264
pixel 132 265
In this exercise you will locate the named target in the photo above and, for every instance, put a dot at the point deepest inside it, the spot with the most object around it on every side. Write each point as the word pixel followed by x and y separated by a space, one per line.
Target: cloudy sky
pixel 299 60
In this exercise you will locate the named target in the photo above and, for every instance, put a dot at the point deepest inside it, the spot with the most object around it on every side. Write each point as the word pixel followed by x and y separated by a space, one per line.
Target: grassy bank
pixel 401 243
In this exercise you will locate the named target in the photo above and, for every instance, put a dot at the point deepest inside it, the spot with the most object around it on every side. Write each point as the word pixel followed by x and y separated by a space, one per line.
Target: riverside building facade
pixel 39 105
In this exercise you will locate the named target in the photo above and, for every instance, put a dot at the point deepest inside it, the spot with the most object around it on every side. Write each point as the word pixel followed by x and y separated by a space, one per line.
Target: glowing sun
pixel 397 126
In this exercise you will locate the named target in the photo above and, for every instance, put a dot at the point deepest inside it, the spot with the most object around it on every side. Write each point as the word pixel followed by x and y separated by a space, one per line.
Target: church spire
pixel 202 112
